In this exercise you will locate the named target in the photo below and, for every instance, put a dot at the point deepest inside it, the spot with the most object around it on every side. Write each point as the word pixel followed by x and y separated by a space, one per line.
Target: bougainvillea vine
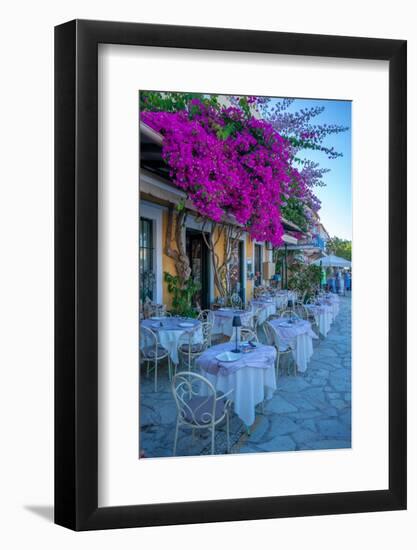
pixel 230 164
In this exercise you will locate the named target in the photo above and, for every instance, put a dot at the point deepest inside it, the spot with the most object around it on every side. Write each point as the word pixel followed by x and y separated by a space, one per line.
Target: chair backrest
pixel 206 328
pixel 206 315
pixel 147 338
pixel 190 346
pixel 246 335
pixel 248 320
pixel 235 300
pixel 221 300
pixel 186 386
pixel 301 311
pixel 271 335
pixel 150 309
pixel 190 337
pixel 289 313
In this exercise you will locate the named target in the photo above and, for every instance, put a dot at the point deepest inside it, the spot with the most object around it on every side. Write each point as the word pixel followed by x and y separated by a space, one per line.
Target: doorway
pixel 237 281
pixel 258 265
pixel 198 256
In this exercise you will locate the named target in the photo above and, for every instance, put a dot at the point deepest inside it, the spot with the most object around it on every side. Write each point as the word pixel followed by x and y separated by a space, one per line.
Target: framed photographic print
pixel 230 275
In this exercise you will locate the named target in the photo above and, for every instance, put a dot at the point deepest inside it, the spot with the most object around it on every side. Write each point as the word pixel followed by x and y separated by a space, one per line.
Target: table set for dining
pixel 170 330
pixel 325 310
pixel 223 320
pixel 250 374
pixel 246 370
pixel 264 307
pixel 298 335
pixel 333 301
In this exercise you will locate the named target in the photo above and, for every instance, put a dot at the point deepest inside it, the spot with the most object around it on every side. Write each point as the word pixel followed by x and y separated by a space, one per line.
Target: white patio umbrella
pixel 332 261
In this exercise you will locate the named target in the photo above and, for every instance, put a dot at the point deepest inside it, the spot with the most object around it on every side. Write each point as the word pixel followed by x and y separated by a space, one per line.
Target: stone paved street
pixel 307 412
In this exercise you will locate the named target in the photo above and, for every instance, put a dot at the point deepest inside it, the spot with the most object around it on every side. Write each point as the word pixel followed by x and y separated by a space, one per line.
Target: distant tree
pixel 340 247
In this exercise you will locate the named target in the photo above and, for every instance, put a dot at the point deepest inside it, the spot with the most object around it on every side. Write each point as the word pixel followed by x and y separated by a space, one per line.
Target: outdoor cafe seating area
pixel 229 360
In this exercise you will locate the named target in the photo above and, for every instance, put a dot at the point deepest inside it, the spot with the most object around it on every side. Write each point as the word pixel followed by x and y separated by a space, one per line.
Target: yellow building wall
pixel 249 256
pixel 219 249
pixel 168 264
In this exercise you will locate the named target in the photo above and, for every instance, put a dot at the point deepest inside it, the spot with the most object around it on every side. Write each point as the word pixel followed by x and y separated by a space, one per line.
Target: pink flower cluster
pixel 230 165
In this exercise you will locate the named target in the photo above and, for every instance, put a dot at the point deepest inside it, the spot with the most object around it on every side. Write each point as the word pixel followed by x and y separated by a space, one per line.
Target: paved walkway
pixel 307 412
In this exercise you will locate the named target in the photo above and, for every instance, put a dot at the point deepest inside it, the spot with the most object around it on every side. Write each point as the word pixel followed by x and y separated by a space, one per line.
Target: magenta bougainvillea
pixel 230 164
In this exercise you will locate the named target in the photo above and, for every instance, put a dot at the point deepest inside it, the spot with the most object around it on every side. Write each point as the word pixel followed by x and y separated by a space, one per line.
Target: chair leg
pixel 227 432
pixel 175 438
pixel 212 439
pixel 156 375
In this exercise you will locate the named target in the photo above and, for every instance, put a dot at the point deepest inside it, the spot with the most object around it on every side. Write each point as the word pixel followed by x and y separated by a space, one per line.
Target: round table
pixel 299 335
pixel 169 331
pixel 281 301
pixel 332 300
pixel 223 319
pixel 266 308
pixel 251 376
pixel 323 314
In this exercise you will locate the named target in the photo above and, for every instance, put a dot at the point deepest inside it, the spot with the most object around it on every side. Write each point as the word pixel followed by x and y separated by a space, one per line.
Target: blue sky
pixel 336 196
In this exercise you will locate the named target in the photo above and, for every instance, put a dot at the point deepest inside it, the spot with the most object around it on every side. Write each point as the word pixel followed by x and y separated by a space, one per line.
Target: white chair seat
pixel 283 348
pixel 202 409
pixel 195 348
pixel 199 406
pixel 150 352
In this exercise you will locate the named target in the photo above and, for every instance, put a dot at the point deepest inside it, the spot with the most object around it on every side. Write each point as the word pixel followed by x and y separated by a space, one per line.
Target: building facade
pixel 250 263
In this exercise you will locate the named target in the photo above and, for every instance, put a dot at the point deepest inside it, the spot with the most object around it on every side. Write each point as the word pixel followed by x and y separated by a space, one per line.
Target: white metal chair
pixel 150 309
pixel 311 318
pixel 301 311
pixel 152 352
pixel 206 328
pixel 246 335
pixel 282 348
pixel 236 300
pixel 258 326
pixel 289 313
pixel 190 346
pixel 199 406
pixel 206 315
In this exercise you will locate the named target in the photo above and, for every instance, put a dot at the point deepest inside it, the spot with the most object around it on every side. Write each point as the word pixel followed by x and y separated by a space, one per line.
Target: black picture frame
pixel 76 271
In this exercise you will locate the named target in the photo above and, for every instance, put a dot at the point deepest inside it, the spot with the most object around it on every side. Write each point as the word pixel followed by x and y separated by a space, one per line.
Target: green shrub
pixel 182 294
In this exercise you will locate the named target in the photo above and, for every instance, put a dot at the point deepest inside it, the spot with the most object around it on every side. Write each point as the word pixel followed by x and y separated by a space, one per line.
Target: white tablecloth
pixel 300 336
pixel 170 333
pixel 283 296
pixel 250 384
pixel 332 300
pixel 266 308
pixel 223 319
pixel 323 314
pixel 281 301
